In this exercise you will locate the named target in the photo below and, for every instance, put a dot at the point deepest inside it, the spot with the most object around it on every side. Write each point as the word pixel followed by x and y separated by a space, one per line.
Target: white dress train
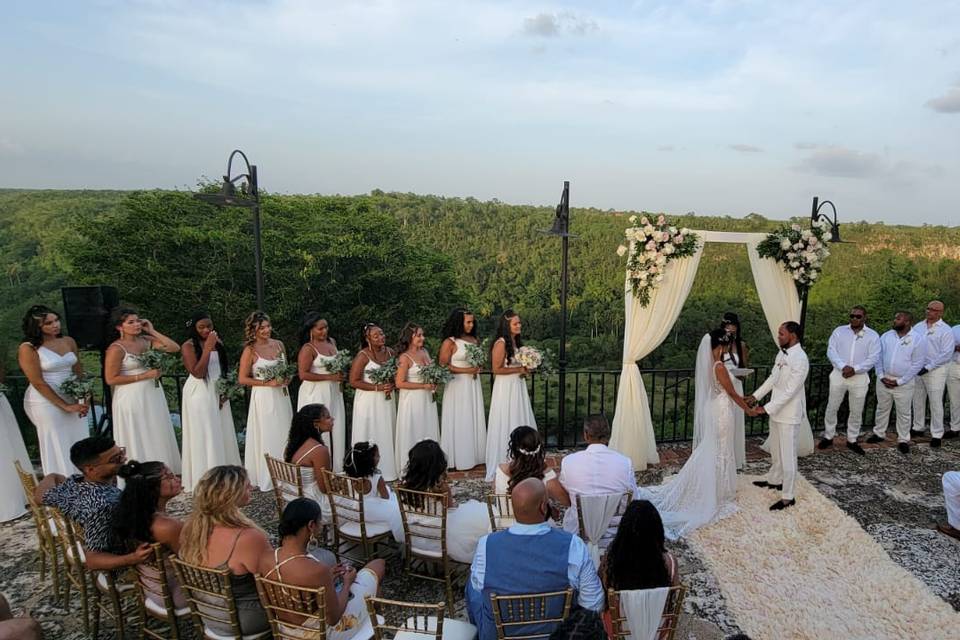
pixel 466 524
pixel 209 437
pixel 57 430
pixel 329 394
pixel 416 417
pixel 463 427
pixel 509 408
pixel 374 420
pixel 141 418
pixel 268 424
pixel 12 450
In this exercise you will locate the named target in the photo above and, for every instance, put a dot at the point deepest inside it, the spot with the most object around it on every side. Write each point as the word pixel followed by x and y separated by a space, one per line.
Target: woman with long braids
pixel 736 357
pixel 305 448
pixel 509 401
pixel 140 416
pixel 374 408
pixel 270 411
pixel 417 410
pixel 528 459
pixel 209 437
pixel 47 358
pixel 318 385
pixel 463 426
pixel 379 503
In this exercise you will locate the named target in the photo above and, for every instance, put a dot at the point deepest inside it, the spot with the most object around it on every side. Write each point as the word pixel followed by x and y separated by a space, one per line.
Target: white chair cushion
pixel 103 585
pixel 213 635
pixel 432 553
pixel 352 529
pixel 160 611
pixel 53 526
pixel 83 556
pixel 452 630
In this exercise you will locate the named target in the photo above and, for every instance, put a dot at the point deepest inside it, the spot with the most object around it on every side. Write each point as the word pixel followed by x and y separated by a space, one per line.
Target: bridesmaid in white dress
pixel 374 407
pixel 509 402
pixel 318 385
pixel 141 419
pixel 270 411
pixel 463 426
pixel 305 448
pixel 209 437
pixel 417 411
pixel 12 449
pixel 380 505
pixel 47 358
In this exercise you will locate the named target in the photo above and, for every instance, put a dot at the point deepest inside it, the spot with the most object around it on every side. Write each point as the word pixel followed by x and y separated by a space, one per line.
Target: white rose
pixel 621 251
pixel 644 221
pixel 661 219
pixel 785 243
pixel 673 231
pixel 668 249
pixel 795 227
pixel 827 236
pixel 648 229
pixel 813 275
pixel 659 278
pixel 806 233
pixel 661 260
pixel 685 231
pixel 633 219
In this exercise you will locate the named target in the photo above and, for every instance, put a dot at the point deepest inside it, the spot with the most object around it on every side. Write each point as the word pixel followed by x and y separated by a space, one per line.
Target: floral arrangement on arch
pixel 801 252
pixel 651 245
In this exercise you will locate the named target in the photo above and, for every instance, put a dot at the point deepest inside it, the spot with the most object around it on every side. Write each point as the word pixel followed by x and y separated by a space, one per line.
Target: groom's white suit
pixel 786 386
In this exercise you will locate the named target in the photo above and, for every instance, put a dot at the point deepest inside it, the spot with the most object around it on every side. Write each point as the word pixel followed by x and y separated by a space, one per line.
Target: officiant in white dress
pixel 785 408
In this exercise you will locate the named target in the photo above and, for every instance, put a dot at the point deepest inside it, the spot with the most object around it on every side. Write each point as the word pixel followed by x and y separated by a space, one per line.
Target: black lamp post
pixel 561 228
pixel 834 222
pixel 249 197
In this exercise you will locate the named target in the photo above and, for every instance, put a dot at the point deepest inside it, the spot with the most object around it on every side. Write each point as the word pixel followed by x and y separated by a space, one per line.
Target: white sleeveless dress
pixel 57 430
pixel 509 408
pixel 12 450
pixel 466 524
pixel 329 394
pixel 141 419
pixel 268 425
pixel 374 420
pixel 416 417
pixel 209 437
pixel 463 427
pixel 385 511
pixel 310 487
pixel 731 361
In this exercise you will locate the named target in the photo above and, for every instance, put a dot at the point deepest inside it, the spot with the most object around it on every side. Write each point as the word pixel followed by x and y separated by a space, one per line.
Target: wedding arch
pixel 647 326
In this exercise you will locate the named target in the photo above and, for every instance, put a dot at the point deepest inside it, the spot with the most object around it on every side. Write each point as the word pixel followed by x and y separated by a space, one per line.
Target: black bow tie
pixel 784 350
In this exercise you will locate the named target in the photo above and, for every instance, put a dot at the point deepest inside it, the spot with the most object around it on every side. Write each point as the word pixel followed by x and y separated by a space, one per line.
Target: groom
pixel 785 410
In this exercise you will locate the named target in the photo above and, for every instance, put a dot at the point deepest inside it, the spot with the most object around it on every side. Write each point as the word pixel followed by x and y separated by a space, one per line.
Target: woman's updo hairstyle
pixel 296 515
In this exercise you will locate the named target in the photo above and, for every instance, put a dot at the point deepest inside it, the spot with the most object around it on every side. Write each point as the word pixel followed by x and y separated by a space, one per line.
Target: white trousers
pixel 951 497
pixel 930 386
pixel 857 387
pixel 953 391
pixel 901 398
pixel 783 451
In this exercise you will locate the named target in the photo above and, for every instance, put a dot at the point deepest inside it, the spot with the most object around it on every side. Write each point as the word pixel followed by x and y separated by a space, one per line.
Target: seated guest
pixel 141 517
pixel 379 503
pixel 637 558
pixel 306 449
pixel 529 557
pixel 218 535
pixel 90 498
pixel 527 458
pixel 426 471
pixel 951 497
pixel 596 470
pixel 345 589
pixel 19 628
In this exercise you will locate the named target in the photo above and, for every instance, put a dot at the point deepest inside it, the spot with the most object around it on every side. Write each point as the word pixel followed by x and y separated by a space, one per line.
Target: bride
pixel 705 489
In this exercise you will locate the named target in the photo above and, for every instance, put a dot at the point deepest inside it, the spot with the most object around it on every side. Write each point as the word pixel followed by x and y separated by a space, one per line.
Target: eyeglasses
pixel 856 316
pixel 117 458
pixel 933 309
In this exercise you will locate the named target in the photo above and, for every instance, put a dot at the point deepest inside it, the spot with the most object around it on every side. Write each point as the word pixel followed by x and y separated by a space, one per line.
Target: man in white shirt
pixel 853 349
pixel 953 387
pixel 951 499
pixel 940 347
pixel 902 356
pixel 595 471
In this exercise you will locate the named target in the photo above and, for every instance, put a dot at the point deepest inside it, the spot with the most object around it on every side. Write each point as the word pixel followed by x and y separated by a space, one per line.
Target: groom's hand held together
pixel 750 400
pixel 848 372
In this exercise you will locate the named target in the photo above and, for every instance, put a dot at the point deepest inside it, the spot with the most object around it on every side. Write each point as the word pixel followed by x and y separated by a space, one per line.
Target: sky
pixel 720 107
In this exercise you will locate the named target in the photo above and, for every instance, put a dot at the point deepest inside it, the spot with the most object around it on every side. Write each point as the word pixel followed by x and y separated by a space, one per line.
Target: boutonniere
pixel 907 340
pixel 859 334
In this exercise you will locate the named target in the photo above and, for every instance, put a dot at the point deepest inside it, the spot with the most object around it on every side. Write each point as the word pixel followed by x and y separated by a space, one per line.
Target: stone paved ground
pixel 897 499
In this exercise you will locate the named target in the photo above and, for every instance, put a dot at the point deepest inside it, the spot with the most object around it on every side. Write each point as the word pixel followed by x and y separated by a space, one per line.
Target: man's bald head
pixel 529 501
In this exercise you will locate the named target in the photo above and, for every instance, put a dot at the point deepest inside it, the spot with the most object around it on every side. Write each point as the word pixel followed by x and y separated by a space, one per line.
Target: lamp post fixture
pixel 834 222
pixel 561 228
pixel 249 197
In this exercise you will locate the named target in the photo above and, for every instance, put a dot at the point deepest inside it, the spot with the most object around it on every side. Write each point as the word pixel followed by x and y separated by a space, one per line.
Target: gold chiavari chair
pixel 287 482
pixel 500 508
pixel 668 621
pixel 156 600
pixel 114 593
pixel 511 614
pixel 75 572
pixel 393 619
pixel 210 595
pixel 285 603
pixel 610 529
pixel 47 544
pixel 350 527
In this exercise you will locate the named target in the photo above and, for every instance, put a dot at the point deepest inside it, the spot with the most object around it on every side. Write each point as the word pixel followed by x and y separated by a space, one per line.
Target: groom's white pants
pixel 951 496
pixel 783 467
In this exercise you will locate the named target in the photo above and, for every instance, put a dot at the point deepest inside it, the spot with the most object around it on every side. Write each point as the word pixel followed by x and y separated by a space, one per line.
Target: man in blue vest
pixel 529 557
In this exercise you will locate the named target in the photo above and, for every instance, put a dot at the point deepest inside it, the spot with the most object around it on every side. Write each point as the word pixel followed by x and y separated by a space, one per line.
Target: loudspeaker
pixel 87 312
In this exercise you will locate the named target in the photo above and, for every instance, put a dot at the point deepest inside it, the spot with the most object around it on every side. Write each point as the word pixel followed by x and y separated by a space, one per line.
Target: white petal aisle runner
pixel 811 572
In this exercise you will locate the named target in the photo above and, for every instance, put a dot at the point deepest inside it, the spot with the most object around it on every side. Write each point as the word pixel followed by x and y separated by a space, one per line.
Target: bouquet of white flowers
pixel 385 374
pixel 801 252
pixel 476 354
pixel 435 373
pixel 534 359
pixel 159 360
pixel 651 244
pixel 229 387
pixel 79 387
pixel 282 371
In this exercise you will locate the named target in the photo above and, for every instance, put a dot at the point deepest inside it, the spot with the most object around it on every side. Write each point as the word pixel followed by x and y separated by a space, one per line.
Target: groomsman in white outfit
pixel 940 347
pixel 853 349
pixel 953 387
pixel 785 409
pixel 902 356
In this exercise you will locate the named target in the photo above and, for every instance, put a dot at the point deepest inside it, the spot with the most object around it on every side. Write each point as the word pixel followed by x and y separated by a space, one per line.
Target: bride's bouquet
pixel 476 355
pixel 437 374
pixel 159 360
pixel 282 371
pixel 534 359
pixel 385 374
pixel 229 387
pixel 79 386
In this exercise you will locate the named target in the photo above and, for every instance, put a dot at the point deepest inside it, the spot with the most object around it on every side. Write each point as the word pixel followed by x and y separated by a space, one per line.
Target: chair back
pixel 210 595
pixel 295 613
pixel 287 481
pixel 598 517
pixel 346 501
pixel 39 512
pixel 668 619
pixel 392 618
pixel 530 616
pixel 424 516
pixel 152 579
pixel 500 508
pixel 70 537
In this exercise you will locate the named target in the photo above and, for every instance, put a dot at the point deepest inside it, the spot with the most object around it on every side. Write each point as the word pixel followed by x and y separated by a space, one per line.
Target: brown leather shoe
pixel 945 528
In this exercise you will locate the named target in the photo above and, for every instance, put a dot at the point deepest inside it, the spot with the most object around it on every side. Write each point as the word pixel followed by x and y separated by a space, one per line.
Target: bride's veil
pixel 703 389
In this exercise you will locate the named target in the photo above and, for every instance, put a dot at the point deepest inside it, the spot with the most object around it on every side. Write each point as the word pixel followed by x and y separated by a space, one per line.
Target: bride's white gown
pixel 705 489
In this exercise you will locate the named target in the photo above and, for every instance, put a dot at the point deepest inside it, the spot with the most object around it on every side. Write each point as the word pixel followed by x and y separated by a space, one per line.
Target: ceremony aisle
pixel 812 572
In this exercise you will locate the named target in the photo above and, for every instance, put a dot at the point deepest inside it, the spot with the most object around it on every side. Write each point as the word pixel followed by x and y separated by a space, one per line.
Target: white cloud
pixel 745 148
pixel 949 102
pixel 10 147
pixel 550 25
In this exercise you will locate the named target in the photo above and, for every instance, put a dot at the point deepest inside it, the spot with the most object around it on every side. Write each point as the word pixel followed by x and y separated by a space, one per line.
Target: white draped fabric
pixel 643 609
pixel 597 513
pixel 645 328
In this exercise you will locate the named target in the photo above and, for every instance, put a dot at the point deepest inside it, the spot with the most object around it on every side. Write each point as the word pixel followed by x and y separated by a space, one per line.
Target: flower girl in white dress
pixel 509 402
pixel 463 426
pixel 209 437
pixel 417 410
pixel 270 411
pixel 374 405
pixel 319 385
pixel 379 503
pixel 141 418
